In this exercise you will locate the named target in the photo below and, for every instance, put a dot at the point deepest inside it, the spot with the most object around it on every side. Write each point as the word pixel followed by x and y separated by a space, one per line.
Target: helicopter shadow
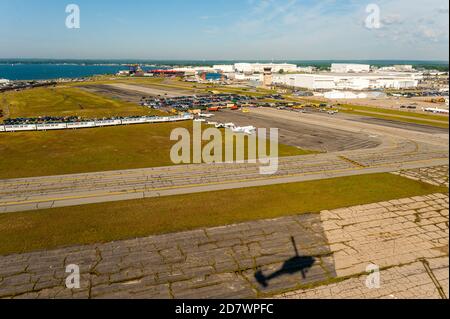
pixel 292 266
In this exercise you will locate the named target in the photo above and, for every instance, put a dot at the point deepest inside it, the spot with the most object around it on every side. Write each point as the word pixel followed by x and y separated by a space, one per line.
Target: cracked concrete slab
pixel 407 238
pixel 401 282
pixel 219 262
pixel 436 175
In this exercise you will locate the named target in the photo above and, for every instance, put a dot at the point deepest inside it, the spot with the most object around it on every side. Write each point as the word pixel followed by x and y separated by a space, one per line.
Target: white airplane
pixel 436 110
pixel 249 130
pixel 206 115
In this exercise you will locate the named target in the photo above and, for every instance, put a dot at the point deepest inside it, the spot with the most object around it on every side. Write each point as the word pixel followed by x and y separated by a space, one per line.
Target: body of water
pixel 54 71
pixel 28 69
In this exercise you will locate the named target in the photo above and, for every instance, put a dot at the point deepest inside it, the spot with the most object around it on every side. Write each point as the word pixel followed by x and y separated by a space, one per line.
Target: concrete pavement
pixel 411 281
pixel 438 176
pixel 407 238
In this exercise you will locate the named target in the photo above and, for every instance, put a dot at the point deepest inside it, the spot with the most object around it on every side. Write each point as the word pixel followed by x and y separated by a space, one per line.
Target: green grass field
pixel 387 114
pixel 396 118
pixel 66 101
pixel 47 229
pixel 422 116
pixel 396 115
pixel 162 83
pixel 28 154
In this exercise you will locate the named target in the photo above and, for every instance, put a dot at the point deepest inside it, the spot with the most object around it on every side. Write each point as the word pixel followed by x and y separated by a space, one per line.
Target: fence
pixel 92 124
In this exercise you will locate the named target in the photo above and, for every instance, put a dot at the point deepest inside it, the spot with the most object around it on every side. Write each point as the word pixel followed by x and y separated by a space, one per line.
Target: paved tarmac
pixel 305 136
pixel 167 92
pixel 407 238
pixel 403 125
pixel 399 150
pixel 114 92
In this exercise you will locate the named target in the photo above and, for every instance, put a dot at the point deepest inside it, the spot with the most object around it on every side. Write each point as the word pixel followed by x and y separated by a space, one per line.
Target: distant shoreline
pixel 51 69
pixel 157 62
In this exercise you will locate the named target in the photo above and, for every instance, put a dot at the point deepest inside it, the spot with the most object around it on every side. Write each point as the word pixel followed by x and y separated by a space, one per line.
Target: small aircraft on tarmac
pixel 205 115
pixel 249 130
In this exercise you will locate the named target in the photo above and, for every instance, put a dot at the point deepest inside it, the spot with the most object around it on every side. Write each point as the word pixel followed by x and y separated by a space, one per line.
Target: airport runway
pixel 398 149
pixel 305 136
pixel 113 92
pixel 153 91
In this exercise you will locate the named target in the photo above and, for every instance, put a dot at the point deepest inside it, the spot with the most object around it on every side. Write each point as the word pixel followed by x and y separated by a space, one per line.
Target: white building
pixel 197 69
pixel 349 81
pixel 259 67
pixel 349 68
pixel 348 95
pixel 335 95
pixel 226 68
pixel 306 69
pixel 251 68
pixel 4 81
pixel 123 72
pixel 249 77
pixel 397 68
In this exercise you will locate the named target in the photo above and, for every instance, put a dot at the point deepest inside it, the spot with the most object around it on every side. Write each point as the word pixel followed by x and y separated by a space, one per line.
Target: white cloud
pixel 329 29
pixel 443 10
pixel 391 19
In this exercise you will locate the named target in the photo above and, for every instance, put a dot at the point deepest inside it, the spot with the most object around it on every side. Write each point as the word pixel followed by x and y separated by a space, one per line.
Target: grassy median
pixel 397 115
pixel 30 154
pixel 47 229
pixel 66 101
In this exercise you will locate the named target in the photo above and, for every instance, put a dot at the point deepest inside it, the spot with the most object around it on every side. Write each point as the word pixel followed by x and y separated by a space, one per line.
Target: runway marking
pixel 125 192
pixel 199 176
pixel 141 172
pixel 141 175
pixel 354 163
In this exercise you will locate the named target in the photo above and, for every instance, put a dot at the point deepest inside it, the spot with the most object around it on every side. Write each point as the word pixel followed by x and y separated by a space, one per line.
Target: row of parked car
pixel 201 101
pixel 430 93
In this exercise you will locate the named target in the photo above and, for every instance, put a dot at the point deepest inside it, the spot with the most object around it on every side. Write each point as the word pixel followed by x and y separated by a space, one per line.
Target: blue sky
pixel 225 29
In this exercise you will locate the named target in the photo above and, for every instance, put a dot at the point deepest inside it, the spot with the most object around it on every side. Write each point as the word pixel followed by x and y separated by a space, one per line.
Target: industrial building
pixel 306 69
pixel 397 68
pixel 225 68
pixel 247 77
pixel 348 95
pixel 196 70
pixel 344 95
pixel 349 68
pixel 259 67
pixel 250 68
pixel 349 81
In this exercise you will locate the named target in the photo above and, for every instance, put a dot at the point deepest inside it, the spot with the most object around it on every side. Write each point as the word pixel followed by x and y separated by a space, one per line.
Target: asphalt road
pixel 305 136
pixel 398 149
